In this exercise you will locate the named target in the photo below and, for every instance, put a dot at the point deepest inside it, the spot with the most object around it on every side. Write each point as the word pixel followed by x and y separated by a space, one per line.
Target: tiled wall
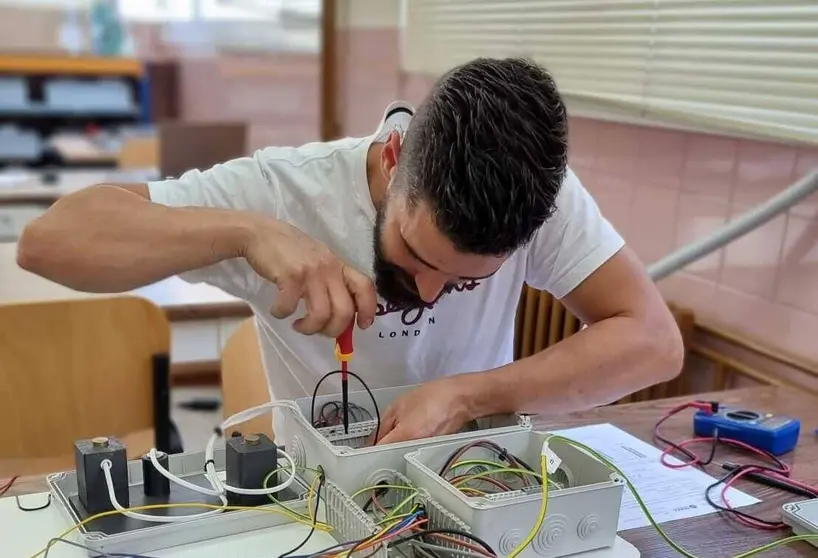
pixel 663 189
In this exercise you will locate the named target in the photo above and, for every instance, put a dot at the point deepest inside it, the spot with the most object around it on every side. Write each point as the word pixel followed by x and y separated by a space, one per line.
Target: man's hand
pixel 433 409
pixel 304 268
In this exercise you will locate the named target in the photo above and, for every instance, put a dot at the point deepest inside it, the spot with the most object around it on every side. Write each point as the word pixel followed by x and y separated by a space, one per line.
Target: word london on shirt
pixel 412 316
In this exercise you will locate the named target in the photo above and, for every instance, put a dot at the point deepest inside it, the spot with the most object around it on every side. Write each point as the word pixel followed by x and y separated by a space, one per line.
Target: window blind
pixel 743 67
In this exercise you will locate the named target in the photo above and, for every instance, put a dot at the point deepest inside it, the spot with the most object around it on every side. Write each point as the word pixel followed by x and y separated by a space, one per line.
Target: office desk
pixel 714 535
pixel 710 535
pixel 202 317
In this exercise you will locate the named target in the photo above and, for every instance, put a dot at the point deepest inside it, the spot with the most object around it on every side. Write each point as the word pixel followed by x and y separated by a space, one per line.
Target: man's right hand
pixel 304 268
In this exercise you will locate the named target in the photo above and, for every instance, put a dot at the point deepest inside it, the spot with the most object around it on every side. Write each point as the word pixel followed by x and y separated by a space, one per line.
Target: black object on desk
pixel 770 481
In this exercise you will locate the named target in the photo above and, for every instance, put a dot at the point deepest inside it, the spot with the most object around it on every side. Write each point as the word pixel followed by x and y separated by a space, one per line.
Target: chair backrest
pixel 543 321
pixel 244 382
pixel 76 369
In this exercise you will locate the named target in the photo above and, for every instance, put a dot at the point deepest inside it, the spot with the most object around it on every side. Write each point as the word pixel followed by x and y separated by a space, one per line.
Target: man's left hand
pixel 432 409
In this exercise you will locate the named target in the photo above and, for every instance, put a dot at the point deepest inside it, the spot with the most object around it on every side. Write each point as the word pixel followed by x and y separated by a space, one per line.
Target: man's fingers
pixel 343 308
pixel 363 291
pixel 319 309
pixel 395 435
pixel 388 422
pixel 286 301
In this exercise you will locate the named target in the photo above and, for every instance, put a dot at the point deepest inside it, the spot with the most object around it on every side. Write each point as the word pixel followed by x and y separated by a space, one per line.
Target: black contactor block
pixel 91 484
pixel 155 484
pixel 249 459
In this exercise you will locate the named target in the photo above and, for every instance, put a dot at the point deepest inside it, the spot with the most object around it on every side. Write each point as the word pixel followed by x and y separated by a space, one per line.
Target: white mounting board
pixel 24 534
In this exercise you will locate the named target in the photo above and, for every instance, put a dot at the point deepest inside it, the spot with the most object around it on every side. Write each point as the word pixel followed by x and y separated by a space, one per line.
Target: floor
pixel 195 426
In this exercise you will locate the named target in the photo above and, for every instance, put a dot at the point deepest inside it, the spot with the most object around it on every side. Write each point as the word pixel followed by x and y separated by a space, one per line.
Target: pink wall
pixel 660 188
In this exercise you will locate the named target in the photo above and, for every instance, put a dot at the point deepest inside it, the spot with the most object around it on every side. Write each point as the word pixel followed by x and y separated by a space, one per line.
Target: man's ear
pixel 390 154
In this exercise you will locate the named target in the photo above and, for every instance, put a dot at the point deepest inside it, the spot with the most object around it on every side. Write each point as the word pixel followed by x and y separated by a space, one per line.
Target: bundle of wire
pixel 314 421
pixel 411 528
pixel 217 488
pixel 331 414
pixel 774 468
pixel 479 477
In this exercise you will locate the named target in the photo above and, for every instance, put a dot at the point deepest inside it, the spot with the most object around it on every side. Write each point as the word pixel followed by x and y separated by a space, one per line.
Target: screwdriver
pixel 343 352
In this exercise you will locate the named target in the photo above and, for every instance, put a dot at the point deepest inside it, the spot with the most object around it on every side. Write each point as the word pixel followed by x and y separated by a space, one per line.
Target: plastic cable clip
pixel 552 460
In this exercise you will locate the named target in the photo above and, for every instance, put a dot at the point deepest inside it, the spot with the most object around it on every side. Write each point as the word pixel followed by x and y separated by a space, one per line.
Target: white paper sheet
pixel 668 493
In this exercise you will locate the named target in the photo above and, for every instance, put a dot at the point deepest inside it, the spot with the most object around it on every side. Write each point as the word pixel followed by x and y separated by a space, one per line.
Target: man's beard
pixel 395 285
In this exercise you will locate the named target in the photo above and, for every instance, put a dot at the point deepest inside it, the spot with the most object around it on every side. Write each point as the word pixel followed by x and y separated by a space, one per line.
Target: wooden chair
pixel 543 321
pixel 78 369
pixel 244 383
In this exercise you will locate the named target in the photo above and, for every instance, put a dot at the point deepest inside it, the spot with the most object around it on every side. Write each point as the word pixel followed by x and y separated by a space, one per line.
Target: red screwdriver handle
pixel 343 344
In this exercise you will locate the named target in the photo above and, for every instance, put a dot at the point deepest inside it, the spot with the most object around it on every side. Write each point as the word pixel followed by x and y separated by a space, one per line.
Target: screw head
pixel 100 442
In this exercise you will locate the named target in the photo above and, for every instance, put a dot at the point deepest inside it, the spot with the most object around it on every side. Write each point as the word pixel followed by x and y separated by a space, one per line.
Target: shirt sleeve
pixel 572 244
pixel 241 184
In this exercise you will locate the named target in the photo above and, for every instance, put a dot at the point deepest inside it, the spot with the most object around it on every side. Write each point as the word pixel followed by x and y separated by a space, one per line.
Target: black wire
pixel 363 383
pixel 455 532
pixel 324 416
pixel 321 479
pixel 727 510
pixel 658 436
pixel 715 443
pixel 23 508
pixel 376 493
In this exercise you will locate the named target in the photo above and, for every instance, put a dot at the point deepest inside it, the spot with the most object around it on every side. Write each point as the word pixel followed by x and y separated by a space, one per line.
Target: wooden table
pixel 202 317
pixel 715 535
pixel 710 535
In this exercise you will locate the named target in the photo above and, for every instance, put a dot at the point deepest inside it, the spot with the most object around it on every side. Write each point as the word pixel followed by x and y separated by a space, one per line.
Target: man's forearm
pixel 107 239
pixel 597 366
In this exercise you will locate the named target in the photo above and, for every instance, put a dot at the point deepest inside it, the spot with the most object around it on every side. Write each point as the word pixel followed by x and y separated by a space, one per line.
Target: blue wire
pixel 339 546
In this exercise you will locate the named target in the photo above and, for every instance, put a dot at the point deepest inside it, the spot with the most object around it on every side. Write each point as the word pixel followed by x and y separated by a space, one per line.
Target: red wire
pixel 782 474
pixel 746 520
pixel 6 487
pixel 728 441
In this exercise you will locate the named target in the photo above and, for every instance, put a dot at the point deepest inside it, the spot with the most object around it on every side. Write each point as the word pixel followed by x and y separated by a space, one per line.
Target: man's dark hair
pixel 487 150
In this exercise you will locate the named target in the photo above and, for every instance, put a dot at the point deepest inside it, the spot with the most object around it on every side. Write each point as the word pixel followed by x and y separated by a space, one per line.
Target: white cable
pixel 109 481
pixel 180 481
pixel 218 487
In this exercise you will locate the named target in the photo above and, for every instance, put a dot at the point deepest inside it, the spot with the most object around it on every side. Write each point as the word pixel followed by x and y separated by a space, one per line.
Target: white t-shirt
pixel 322 189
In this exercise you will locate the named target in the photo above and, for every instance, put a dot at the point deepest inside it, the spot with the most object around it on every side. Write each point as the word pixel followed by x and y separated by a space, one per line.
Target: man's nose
pixel 430 284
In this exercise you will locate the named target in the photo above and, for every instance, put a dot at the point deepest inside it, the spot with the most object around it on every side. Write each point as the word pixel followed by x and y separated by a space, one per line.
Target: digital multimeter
pixel 775 434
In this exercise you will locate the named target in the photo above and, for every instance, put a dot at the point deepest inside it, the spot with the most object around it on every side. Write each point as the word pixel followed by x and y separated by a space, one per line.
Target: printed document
pixel 668 493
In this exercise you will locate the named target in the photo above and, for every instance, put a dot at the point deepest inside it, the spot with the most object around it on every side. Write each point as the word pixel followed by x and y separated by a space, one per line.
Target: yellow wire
pixel 294 517
pixel 655 524
pixel 544 505
pixel 540 516
pixel 311 492
pixel 511 470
